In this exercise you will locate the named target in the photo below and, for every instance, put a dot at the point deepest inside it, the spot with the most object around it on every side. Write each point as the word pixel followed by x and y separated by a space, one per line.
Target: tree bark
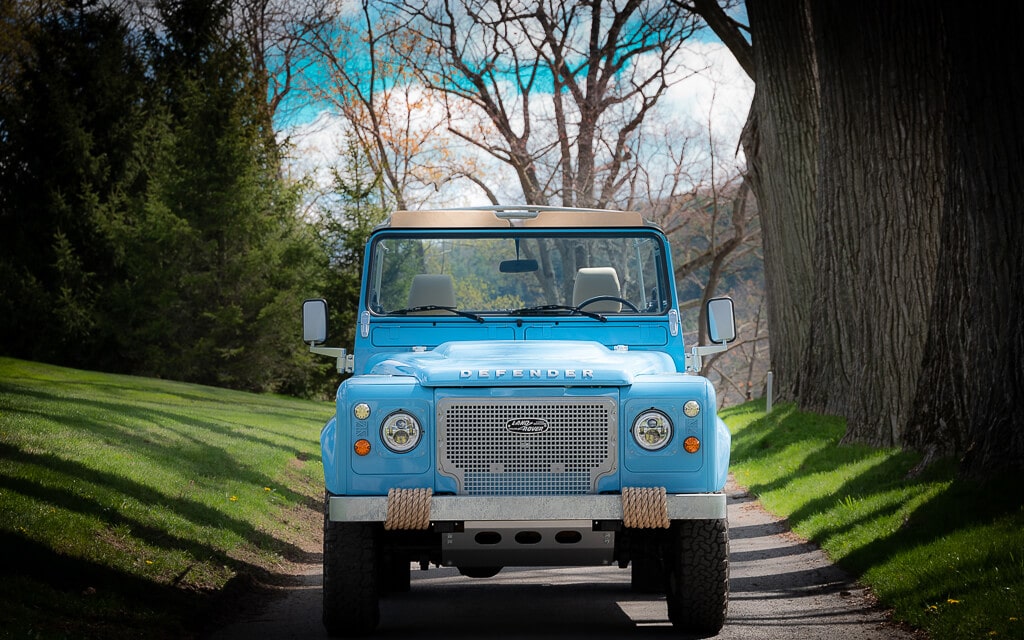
pixel 780 143
pixel 914 222
pixel 878 200
pixel 968 402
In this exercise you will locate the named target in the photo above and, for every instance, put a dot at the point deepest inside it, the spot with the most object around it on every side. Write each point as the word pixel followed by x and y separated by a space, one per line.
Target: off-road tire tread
pixel 698 581
pixel 351 587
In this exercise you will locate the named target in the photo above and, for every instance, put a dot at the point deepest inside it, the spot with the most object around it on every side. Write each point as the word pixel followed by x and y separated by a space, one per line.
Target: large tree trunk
pixel 780 143
pixel 879 197
pixel 968 402
pixel 919 273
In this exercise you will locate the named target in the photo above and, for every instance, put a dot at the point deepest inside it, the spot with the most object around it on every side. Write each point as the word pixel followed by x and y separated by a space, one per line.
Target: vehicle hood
pixel 524 363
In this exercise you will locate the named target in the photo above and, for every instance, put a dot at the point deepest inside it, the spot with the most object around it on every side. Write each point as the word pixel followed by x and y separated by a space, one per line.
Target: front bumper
pixel 687 506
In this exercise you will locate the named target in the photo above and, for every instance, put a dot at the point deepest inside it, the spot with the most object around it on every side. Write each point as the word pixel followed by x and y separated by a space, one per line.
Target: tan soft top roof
pixel 504 216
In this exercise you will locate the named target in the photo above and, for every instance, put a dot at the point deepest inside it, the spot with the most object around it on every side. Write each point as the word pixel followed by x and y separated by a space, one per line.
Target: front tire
pixel 351 590
pixel 697 554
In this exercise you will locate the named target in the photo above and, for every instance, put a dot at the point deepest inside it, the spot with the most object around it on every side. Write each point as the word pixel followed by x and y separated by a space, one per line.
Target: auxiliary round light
pixel 691 445
pixel 652 430
pixel 691 409
pixel 400 432
pixel 361 411
pixel 362 447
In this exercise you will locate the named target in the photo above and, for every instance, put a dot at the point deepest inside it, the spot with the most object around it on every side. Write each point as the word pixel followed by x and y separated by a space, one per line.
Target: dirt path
pixel 781 587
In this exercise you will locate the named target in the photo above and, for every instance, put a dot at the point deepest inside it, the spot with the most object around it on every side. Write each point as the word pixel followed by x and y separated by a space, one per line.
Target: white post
pixel 768 407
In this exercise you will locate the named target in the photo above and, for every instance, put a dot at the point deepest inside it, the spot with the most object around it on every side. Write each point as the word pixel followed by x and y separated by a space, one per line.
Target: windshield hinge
pixel 364 324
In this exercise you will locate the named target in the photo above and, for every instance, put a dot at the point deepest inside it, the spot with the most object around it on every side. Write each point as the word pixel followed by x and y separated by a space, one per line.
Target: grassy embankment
pixel 132 507
pixel 946 554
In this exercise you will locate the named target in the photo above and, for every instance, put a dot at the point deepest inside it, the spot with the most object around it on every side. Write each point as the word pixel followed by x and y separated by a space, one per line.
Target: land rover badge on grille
pixel 527 425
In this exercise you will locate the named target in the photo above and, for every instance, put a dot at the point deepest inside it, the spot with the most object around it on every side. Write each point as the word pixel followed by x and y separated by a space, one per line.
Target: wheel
pixel 351 578
pixel 589 301
pixel 697 592
pixel 647 570
pixel 479 572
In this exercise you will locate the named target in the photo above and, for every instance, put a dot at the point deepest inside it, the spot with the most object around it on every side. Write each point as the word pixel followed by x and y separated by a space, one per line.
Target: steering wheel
pixel 629 304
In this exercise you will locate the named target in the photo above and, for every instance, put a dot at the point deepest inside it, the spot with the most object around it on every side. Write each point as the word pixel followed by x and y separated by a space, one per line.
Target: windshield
pixel 518 273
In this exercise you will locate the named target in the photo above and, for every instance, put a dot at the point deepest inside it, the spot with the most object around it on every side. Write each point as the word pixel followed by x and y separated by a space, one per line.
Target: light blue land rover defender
pixel 521 396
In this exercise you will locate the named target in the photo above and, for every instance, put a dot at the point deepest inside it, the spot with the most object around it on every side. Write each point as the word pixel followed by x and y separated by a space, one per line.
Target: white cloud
pixel 712 87
pixel 316 146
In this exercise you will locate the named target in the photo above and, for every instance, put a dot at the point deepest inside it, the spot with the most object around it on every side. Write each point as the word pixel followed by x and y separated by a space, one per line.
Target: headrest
pixel 597 281
pixel 432 288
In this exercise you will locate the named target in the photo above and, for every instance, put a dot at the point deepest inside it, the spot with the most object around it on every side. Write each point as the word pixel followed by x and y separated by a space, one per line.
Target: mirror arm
pixel 345 362
pixel 695 359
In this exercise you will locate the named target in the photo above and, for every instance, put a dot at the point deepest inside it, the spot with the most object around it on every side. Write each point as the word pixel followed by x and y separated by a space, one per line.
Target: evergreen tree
pixel 144 222
pixel 346 221
pixel 225 310
pixel 71 125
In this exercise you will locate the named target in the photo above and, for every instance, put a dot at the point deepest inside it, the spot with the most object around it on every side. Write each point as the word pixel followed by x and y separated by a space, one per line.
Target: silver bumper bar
pixel 685 506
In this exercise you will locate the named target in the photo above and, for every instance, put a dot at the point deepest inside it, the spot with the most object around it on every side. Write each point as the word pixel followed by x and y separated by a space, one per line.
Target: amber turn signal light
pixel 691 445
pixel 362 447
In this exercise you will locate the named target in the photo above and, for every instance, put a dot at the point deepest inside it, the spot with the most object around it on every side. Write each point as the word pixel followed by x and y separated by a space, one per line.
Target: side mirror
pixel 314 321
pixel 721 320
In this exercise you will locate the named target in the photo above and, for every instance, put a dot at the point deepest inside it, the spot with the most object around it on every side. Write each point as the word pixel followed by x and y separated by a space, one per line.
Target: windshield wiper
pixel 541 309
pixel 436 307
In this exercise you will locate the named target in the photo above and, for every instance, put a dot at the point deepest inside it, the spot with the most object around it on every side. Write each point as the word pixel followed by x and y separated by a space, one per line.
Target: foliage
pixel 944 552
pixel 70 138
pixel 344 225
pixel 234 283
pixel 127 504
pixel 144 221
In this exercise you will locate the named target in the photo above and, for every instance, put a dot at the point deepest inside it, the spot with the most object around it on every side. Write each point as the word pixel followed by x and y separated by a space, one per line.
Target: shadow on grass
pixel 195 512
pixel 962 505
pixel 195 462
pixel 44 594
pixel 57 435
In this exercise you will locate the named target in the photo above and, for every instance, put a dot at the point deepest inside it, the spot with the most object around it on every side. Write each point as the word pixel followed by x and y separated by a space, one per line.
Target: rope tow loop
pixel 645 508
pixel 408 509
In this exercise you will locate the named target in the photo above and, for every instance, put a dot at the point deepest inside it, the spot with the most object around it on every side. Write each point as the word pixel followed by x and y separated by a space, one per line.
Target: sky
pixel 711 88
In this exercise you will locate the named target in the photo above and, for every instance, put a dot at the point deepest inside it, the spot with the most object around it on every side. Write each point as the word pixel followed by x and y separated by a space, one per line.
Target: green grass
pixel 130 506
pixel 946 554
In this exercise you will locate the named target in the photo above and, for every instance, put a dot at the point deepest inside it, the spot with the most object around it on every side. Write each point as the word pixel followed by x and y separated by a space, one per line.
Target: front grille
pixel 485 457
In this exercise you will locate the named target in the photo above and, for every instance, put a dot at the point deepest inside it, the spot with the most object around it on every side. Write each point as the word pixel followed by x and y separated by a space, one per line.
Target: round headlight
pixel 691 409
pixel 652 430
pixel 400 432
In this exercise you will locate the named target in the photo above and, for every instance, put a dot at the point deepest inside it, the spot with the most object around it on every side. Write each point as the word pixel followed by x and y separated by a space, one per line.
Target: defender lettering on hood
pixel 531 374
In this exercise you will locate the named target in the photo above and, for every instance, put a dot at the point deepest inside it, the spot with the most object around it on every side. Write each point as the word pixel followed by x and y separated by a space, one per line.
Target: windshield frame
pixel 652 272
